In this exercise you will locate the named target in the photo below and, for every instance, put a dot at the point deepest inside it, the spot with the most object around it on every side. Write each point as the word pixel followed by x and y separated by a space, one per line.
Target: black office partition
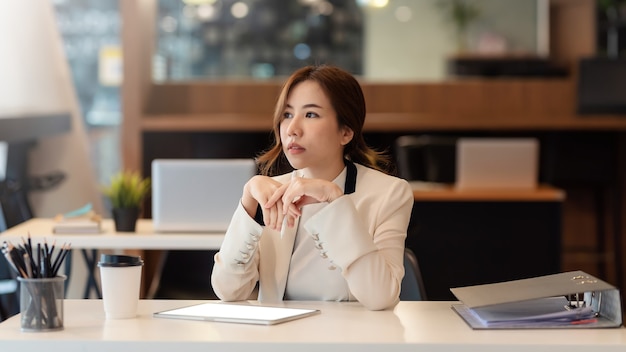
pixel 601 86
pixel 461 243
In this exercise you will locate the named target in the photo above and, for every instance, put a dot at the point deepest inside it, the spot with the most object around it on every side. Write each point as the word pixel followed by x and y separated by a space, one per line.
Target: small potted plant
pixel 126 192
pixel 614 11
pixel 461 13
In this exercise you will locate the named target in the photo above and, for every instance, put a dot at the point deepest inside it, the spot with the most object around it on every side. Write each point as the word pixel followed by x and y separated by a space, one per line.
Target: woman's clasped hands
pixel 286 200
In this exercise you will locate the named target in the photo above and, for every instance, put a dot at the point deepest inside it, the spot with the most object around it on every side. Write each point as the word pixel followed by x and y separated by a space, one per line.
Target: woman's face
pixel 310 132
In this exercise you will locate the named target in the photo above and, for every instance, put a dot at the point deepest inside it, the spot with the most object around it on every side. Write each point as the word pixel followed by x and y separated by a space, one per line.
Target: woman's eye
pixel 311 114
pixel 287 115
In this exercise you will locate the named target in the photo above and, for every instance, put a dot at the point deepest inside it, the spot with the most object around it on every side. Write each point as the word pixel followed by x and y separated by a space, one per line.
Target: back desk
pixel 144 238
pixel 470 237
pixel 341 326
pixel 460 237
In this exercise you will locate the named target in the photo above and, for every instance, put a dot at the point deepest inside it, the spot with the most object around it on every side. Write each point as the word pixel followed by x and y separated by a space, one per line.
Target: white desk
pixel 143 238
pixel 345 327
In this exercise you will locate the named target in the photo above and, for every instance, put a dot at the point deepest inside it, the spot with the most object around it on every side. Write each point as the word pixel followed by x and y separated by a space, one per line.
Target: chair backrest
pixel 173 280
pixel 426 158
pixel 9 304
pixel 412 285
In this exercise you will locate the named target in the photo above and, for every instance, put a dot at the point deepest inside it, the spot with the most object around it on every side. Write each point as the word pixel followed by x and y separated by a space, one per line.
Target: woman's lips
pixel 295 148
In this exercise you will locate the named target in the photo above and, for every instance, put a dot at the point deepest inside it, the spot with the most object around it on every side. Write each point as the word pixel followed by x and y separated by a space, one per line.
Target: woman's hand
pixel 258 190
pixel 298 192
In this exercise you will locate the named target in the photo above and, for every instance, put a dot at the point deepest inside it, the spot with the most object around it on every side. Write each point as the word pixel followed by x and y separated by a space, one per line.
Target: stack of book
pixel 82 220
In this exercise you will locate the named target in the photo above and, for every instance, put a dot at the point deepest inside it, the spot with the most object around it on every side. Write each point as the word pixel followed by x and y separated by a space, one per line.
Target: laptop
pixel 497 163
pixel 197 195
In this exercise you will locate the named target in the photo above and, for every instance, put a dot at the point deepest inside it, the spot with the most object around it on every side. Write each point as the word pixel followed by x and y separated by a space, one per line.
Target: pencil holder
pixel 41 303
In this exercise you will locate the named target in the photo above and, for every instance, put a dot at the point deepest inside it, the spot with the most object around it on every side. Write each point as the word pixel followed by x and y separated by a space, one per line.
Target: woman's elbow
pixel 380 303
pixel 381 306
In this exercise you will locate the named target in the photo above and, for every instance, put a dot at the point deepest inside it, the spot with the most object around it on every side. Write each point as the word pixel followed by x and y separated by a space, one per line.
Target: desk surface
pixel 345 327
pixel 144 238
pixel 425 191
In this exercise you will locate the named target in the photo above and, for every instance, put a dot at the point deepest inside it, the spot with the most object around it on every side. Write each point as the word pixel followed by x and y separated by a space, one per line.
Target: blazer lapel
pixel 284 251
pixel 274 267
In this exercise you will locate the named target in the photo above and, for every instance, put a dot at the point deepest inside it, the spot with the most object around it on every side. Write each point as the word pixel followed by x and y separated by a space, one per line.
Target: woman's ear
pixel 347 135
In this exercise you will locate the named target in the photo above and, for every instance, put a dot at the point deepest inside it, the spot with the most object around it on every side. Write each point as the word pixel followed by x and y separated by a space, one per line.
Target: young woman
pixel 334 228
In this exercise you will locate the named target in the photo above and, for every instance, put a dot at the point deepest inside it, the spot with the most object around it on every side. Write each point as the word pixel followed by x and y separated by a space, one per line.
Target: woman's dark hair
pixel 346 97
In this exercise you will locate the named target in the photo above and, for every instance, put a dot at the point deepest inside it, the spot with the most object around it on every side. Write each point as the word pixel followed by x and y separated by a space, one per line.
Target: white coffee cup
pixel 120 276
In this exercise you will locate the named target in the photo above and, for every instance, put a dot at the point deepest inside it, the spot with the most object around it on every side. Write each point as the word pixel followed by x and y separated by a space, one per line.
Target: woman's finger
pixel 274 212
pixel 279 215
pixel 277 195
pixel 291 220
pixel 292 194
pixel 292 209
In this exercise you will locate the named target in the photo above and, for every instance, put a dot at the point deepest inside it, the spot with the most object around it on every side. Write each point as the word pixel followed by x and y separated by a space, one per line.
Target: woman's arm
pixel 235 272
pixel 364 236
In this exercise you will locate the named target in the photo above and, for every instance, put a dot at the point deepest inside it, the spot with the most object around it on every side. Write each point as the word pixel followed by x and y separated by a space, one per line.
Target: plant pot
pixel 125 219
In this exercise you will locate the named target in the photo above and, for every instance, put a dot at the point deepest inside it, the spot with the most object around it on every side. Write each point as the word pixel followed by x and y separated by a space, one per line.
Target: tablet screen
pixel 237 313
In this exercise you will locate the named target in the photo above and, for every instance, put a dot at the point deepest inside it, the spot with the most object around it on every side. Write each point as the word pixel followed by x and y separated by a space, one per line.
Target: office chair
pixel 183 275
pixel 9 304
pixel 426 158
pixel 412 284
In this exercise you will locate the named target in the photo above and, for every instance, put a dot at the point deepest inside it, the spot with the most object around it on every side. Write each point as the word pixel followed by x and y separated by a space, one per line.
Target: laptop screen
pixel 488 163
pixel 197 195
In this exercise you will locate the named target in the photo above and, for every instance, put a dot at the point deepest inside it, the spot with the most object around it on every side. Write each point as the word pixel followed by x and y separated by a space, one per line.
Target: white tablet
pixel 237 313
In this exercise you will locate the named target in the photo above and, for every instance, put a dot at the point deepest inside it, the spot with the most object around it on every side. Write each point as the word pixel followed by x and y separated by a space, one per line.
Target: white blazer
pixel 373 224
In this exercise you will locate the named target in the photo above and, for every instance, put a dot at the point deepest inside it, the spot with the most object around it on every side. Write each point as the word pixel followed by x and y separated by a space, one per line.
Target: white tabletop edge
pixel 144 238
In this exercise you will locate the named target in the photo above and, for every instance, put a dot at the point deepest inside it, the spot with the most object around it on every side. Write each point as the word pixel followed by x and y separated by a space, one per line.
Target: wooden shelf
pixel 445 193
pixel 386 122
pixel 207 122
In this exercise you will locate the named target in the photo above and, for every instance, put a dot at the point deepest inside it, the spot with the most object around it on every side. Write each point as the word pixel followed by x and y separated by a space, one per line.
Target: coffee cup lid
pixel 115 260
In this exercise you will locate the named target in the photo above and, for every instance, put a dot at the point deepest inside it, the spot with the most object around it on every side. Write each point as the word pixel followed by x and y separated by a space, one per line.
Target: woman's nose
pixel 294 127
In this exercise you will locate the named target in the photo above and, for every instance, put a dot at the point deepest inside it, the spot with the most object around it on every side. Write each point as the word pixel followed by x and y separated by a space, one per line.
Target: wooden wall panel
pixel 472 97
pixel 620 223
pixel 554 99
pixel 502 100
pixel 572 31
pixel 138 18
